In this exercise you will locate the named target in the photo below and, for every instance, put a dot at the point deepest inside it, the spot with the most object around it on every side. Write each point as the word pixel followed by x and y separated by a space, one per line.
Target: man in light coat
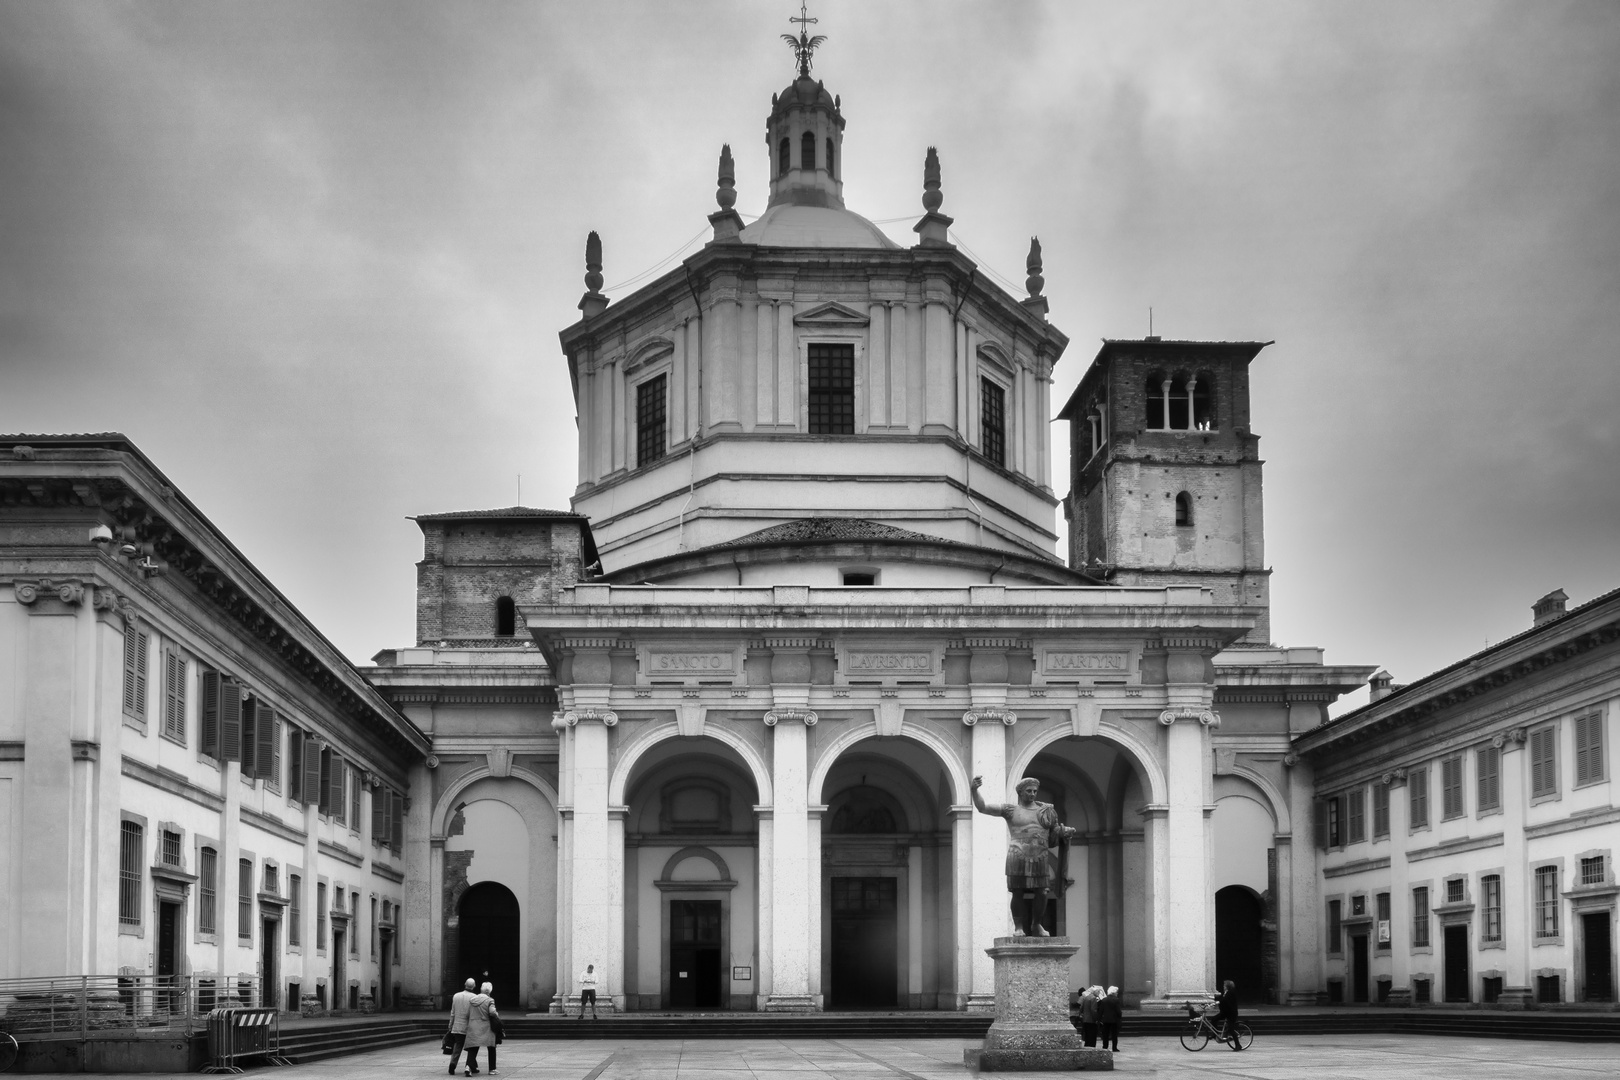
pixel 461 1007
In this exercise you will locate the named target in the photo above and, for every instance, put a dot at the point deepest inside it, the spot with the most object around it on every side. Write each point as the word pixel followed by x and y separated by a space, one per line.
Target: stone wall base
pixel 1039 1060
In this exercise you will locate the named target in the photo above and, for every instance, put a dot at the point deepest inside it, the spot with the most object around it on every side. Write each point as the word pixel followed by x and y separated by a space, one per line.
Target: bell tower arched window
pixel 830 159
pixel 783 163
pixel 505 617
pixel 807 152
pixel 1184 513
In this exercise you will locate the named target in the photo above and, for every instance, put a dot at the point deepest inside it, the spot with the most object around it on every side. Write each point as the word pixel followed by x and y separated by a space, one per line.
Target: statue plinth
pixel 1032 1031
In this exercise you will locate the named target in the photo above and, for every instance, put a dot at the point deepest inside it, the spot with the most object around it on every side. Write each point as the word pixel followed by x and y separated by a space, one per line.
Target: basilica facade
pixel 714 730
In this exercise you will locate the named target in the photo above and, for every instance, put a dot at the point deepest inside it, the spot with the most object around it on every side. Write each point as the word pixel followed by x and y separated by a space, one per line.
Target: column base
pixel 1086 1059
pixel 979 1003
pixel 568 1005
pixel 791 1003
pixel 1174 1002
pixel 1032 1031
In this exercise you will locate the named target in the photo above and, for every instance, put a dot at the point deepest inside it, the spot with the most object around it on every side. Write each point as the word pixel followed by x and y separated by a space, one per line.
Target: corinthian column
pixel 1182 898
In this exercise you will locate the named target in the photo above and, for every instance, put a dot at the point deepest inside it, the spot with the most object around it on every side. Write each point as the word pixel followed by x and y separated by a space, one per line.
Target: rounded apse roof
pixel 786 225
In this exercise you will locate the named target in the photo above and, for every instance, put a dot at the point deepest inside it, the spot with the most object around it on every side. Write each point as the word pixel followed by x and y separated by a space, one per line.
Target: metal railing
pixel 88 1006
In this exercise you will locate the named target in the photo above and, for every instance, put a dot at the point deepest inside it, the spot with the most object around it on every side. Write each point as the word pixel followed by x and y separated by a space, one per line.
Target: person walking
pixel 479 1030
pixel 587 991
pixel 1109 1014
pixel 460 1012
pixel 1228 1012
pixel 1088 1015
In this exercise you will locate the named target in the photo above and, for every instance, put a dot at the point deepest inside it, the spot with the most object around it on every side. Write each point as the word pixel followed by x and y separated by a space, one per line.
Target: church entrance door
pixel 490 931
pixel 1456 961
pixel 694 954
pixel 1239 942
pixel 865 933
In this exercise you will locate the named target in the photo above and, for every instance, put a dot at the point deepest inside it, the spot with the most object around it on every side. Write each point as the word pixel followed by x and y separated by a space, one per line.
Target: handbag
pixel 449 1045
pixel 497 1027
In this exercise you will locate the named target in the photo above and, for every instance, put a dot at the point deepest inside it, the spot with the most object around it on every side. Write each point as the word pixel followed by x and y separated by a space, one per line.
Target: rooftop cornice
pixel 108 478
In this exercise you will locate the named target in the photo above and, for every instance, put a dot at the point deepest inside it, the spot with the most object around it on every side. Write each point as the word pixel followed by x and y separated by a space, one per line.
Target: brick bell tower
pixel 1165 483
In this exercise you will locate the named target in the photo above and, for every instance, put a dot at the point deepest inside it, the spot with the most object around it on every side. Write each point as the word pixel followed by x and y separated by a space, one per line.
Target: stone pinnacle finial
pixel 726 196
pixel 1035 282
pixel 593 262
pixel 931 193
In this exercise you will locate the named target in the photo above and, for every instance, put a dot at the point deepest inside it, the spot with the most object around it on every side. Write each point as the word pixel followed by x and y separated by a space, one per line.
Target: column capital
pixel 56 593
pixel 1393 777
pixel 572 718
pixel 808 716
pixel 1208 717
pixel 990 712
pixel 1510 740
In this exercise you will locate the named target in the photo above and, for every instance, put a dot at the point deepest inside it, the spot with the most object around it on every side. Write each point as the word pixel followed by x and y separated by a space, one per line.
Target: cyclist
pixel 1228 1014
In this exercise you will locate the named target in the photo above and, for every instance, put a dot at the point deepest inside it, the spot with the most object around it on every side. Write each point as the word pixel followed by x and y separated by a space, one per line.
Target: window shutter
pixel 334 800
pixel 396 806
pixel 210 713
pixel 295 764
pixel 1543 776
pixel 135 672
pixel 274 756
pixel 230 720
pixel 264 757
pixel 312 771
pixel 130 637
pixel 173 717
pixel 1589 749
pixel 1321 823
pixel 325 781
pixel 379 817
pixel 250 740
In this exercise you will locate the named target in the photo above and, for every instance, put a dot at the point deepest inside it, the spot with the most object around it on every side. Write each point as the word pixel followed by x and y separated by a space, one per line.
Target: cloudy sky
pixel 313 257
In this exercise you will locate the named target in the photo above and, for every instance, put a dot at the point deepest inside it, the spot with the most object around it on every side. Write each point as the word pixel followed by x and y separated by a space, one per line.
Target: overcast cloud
pixel 313 257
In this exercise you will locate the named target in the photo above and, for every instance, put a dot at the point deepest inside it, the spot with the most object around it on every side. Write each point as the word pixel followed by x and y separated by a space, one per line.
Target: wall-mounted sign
pixel 1085 662
pixel 742 974
pixel 888 663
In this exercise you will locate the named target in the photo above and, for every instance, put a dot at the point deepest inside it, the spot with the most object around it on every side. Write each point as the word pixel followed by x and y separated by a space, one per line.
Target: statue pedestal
pixel 1032 1031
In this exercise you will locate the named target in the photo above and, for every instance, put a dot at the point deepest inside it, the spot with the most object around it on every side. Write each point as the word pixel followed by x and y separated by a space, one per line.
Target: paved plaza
pixel 1278 1058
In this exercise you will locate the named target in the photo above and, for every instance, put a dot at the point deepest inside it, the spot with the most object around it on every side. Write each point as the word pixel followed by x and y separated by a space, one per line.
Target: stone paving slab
pixel 1289 1057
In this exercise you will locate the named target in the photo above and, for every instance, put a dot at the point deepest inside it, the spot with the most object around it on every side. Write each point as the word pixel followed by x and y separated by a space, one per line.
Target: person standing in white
pixel 587 990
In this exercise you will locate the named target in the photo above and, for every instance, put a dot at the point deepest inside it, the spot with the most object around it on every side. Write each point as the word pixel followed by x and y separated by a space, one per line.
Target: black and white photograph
pixel 773 539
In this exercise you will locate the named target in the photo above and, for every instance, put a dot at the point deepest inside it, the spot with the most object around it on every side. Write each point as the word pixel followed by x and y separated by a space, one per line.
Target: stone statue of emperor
pixel 1035 831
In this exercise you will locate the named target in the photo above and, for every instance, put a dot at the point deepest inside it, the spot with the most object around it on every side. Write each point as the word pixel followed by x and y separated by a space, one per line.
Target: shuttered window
pixel 1489 764
pixel 1451 787
pixel 208 890
pixel 1356 816
pixel 396 840
pixel 295 764
pixel 244 899
pixel 174 696
pixel 1544 762
pixel 1417 797
pixel 1589 764
pixel 131 850
pixel 1380 801
pixel 354 802
pixel 314 772
pixel 135 652
pixel 295 910
pixel 221 717
pixel 250 741
pixel 1420 917
pixel 272 758
pixel 379 817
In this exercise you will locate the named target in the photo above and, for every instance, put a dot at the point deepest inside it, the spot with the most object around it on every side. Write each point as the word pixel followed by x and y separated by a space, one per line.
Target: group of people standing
pixel 474 1022
pixel 1100 1013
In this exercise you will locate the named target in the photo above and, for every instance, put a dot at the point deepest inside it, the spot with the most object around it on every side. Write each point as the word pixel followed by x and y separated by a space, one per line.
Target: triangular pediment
pixel 832 314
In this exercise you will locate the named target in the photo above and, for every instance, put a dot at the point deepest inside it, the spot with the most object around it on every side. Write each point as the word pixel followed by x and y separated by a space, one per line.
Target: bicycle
pixel 8 1051
pixel 1200 1031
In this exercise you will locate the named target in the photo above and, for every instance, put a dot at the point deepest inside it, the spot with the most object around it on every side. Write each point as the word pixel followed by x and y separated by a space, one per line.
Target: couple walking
pixel 474 1022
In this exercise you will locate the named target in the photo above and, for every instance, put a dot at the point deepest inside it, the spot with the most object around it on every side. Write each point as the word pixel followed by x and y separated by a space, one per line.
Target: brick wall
pixel 468 564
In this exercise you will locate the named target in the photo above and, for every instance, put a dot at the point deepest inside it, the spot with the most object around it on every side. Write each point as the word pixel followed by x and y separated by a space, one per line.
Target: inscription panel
pixel 1088 664
pixel 888 664
pixel 661 663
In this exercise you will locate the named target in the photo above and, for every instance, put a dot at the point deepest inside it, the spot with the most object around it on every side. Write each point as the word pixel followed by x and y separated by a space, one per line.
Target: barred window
pixel 1544 762
pixel 1417 797
pixel 169 850
pixel 1335 943
pixel 1489 762
pixel 1451 787
pixel 208 890
pixel 1592 870
pixel 272 879
pixel 244 899
pixel 652 425
pixel 1589 767
pixel 832 389
pixel 1455 891
pixel 1356 816
pixel 1380 800
pixel 1420 917
pixel 1546 901
pixel 295 910
pixel 993 421
pixel 1490 913
pixel 131 848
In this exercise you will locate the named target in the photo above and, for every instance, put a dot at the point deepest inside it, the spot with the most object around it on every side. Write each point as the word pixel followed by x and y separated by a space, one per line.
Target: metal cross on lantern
pixel 803 45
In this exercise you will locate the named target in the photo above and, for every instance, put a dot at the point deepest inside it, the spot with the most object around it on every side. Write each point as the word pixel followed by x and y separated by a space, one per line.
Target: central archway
pixel 490 923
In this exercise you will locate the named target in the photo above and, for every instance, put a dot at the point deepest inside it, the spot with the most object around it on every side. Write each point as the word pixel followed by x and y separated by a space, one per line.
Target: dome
pixel 804 91
pixel 787 225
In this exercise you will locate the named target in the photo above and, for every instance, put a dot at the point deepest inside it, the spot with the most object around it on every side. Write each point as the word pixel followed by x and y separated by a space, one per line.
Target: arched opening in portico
pixel 691 877
pixel 1098 787
pixel 887 912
